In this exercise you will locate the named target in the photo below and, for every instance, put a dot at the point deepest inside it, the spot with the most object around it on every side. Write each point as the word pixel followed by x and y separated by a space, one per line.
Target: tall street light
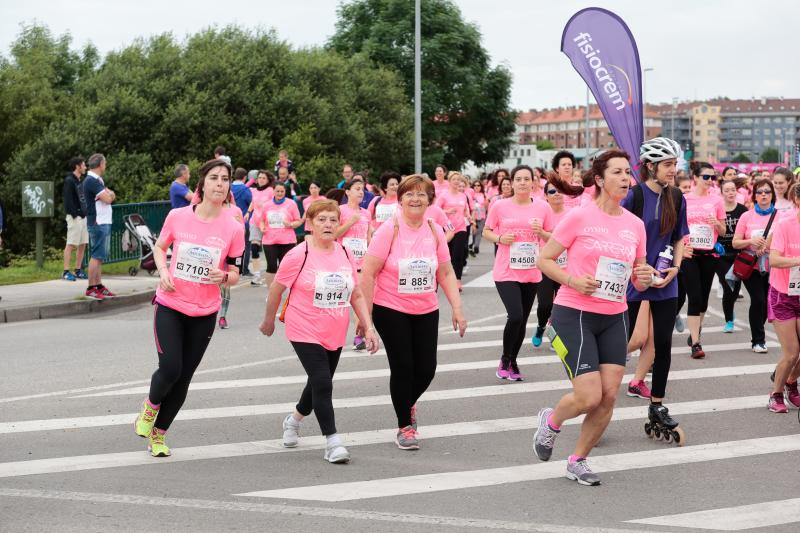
pixel 644 100
pixel 417 90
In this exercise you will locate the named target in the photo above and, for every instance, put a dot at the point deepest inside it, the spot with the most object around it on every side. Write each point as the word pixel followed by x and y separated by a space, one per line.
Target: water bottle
pixel 555 340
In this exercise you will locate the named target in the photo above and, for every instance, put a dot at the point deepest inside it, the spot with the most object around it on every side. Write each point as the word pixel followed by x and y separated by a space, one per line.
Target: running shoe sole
pixel 574 477
pixel 409 447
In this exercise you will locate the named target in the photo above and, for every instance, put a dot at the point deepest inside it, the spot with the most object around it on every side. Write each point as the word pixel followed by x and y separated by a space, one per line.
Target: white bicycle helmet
pixel 659 149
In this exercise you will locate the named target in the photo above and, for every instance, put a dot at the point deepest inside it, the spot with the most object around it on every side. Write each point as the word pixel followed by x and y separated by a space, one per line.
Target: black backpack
pixel 638 200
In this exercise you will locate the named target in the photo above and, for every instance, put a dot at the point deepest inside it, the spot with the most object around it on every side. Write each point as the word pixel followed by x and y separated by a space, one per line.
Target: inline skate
pixel 662 426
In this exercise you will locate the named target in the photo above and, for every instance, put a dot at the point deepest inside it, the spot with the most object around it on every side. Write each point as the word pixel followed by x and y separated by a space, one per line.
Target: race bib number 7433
pixel 613 276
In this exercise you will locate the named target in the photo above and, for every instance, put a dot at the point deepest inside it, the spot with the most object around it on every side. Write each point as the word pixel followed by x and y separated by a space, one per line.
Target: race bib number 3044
pixel 416 275
pixel 194 262
pixel 613 276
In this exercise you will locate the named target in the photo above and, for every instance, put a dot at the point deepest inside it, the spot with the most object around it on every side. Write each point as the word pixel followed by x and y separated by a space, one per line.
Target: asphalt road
pixel 69 460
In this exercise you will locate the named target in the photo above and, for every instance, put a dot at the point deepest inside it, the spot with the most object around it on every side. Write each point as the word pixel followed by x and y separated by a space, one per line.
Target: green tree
pixel 741 158
pixel 545 144
pixel 770 155
pixel 465 101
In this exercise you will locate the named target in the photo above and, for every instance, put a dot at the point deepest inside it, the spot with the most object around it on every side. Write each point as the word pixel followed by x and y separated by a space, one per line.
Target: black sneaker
pixel 697 351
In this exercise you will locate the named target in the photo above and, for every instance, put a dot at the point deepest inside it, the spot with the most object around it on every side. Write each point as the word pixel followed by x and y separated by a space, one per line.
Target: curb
pixel 72 308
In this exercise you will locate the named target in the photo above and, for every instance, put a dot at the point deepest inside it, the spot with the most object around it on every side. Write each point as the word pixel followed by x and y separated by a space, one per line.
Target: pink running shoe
pixel 776 404
pixel 503 372
pixel 638 389
pixel 792 396
pixel 513 372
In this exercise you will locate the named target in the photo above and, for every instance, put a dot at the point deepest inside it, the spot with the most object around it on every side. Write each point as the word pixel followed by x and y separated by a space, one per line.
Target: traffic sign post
pixel 37 203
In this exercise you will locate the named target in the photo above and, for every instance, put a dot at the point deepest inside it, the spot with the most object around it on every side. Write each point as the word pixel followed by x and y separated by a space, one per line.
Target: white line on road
pixel 476 321
pixel 774 513
pixel 290 510
pixel 482 281
pixel 743 325
pixel 531 325
pixel 441 481
pixel 52 424
pixel 243 449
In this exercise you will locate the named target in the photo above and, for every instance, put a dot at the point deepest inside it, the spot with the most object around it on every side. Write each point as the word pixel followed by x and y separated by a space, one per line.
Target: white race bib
pixel 416 275
pixel 275 219
pixel 357 247
pixel 523 255
pixel 194 262
pixel 701 236
pixel 384 212
pixel 562 259
pixel 794 281
pixel 332 290
pixel 613 276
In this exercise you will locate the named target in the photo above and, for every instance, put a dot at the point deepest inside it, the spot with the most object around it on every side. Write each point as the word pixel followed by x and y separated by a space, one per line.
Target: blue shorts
pixel 100 241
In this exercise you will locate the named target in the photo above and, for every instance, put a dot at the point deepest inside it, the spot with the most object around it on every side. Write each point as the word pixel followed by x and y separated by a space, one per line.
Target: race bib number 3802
pixel 613 276
pixel 701 236
pixel 194 262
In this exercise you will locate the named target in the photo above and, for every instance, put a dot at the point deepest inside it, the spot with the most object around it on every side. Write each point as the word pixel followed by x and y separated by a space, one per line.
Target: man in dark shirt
pixel 75 208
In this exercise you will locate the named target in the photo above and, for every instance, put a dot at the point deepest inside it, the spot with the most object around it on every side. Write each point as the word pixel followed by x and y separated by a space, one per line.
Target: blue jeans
pixel 100 241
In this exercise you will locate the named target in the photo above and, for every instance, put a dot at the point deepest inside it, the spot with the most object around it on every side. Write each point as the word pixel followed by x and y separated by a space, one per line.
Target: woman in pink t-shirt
pixel 519 226
pixel 383 207
pixel 455 205
pixel 440 183
pixel 563 166
pixel 262 193
pixel 323 283
pixel 547 289
pixel 313 196
pixel 406 260
pixel 207 244
pixel 279 218
pixel 479 208
pixel 605 247
pixel 784 305
pixel 751 233
pixel 705 215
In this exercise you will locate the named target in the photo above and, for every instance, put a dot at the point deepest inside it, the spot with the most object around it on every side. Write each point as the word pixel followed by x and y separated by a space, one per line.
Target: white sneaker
pixel 290 432
pixel 760 348
pixel 465 269
pixel 337 454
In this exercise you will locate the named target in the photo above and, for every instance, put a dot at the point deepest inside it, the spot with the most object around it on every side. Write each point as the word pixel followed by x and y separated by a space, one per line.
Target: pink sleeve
pixel 353 266
pixel 439 202
pixel 491 220
pixel 565 233
pixel 441 218
pixel 293 210
pixel 381 242
pixel 236 247
pixel 166 236
pixel 641 248
pixel 547 223
pixel 779 239
pixel 306 203
pixel 289 268
pixel 720 210
pixel 442 252
pixel 741 226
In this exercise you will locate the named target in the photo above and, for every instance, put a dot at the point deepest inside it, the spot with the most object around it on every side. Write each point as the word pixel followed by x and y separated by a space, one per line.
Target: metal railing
pixel 154 214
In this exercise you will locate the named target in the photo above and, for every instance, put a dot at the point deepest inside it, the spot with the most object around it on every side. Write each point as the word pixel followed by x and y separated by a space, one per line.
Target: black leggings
pixel 546 293
pixel 410 342
pixel 181 341
pixel 274 254
pixel 663 313
pixel 728 295
pixel 757 286
pixel 319 364
pixel 518 299
pixel 698 274
pixel 458 251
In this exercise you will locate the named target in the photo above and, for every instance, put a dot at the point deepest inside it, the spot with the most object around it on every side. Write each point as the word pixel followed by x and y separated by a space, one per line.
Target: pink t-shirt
pixel 479 206
pixel 440 187
pixel 259 199
pixel 307 202
pixel 198 245
pixel 786 240
pixel 492 191
pixel 742 195
pixel 407 281
pixel 703 235
pixel 436 214
pixel 319 302
pixel 355 238
pixel 382 211
pixel 517 262
pixel 457 201
pixel 572 201
pixel 273 217
pixel 601 245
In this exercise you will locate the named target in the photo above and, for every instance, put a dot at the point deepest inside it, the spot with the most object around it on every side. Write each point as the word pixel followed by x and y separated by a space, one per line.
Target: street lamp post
pixel 417 90
pixel 644 99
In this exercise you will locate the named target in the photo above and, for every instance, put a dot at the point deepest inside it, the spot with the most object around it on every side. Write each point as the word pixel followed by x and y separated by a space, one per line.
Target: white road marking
pixel 531 325
pixel 243 449
pixel 476 321
pixel 773 513
pixel 442 481
pixel 267 508
pixel 482 281
pixel 743 325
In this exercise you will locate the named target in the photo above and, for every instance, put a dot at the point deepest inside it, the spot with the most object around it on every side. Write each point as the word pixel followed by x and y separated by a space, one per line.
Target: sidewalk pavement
pixel 57 298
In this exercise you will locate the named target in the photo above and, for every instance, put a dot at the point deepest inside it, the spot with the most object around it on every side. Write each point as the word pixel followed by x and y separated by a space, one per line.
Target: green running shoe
pixel 156 445
pixel 145 420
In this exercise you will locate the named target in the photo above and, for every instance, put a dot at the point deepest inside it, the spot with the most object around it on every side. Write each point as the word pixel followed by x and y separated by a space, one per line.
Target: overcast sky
pixel 697 48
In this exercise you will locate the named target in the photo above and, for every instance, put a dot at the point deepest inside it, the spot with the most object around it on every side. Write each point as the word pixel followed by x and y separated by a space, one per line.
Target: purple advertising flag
pixel 603 51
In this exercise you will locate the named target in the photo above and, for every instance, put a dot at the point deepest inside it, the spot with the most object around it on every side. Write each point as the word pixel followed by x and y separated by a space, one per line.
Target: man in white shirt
pixel 98 216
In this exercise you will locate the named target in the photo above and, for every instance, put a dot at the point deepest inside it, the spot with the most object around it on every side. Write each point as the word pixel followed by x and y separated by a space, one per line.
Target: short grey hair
pixel 95 160
pixel 180 170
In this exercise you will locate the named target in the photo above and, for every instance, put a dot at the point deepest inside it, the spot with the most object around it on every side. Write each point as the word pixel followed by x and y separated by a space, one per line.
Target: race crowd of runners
pixel 610 259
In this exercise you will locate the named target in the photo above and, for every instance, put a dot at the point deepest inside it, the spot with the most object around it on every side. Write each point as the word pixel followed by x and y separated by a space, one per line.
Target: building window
pixel 697 133
pixel 712 121
pixel 747 120
pixel 529 152
pixel 778 131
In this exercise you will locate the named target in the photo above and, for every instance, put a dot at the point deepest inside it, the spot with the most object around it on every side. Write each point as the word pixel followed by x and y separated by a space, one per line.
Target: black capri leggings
pixel 698 274
pixel 181 341
pixel 319 364
pixel 458 251
pixel 663 313
pixel 757 286
pixel 274 254
pixel 410 342
pixel 728 295
pixel 546 293
pixel 518 300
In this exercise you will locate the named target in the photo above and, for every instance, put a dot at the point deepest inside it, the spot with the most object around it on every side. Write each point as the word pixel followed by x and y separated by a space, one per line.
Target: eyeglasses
pixel 552 191
pixel 764 191
pixel 708 176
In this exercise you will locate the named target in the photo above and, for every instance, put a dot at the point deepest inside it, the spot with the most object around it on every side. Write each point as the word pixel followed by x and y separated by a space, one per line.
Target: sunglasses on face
pixel 552 191
pixel 708 176
pixel 763 191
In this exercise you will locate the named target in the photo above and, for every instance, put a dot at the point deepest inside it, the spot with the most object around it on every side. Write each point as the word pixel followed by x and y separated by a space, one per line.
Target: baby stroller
pixel 138 235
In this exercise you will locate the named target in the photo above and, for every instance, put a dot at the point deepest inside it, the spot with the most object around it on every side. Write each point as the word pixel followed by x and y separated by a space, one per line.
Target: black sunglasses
pixel 763 191
pixel 708 176
pixel 552 191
